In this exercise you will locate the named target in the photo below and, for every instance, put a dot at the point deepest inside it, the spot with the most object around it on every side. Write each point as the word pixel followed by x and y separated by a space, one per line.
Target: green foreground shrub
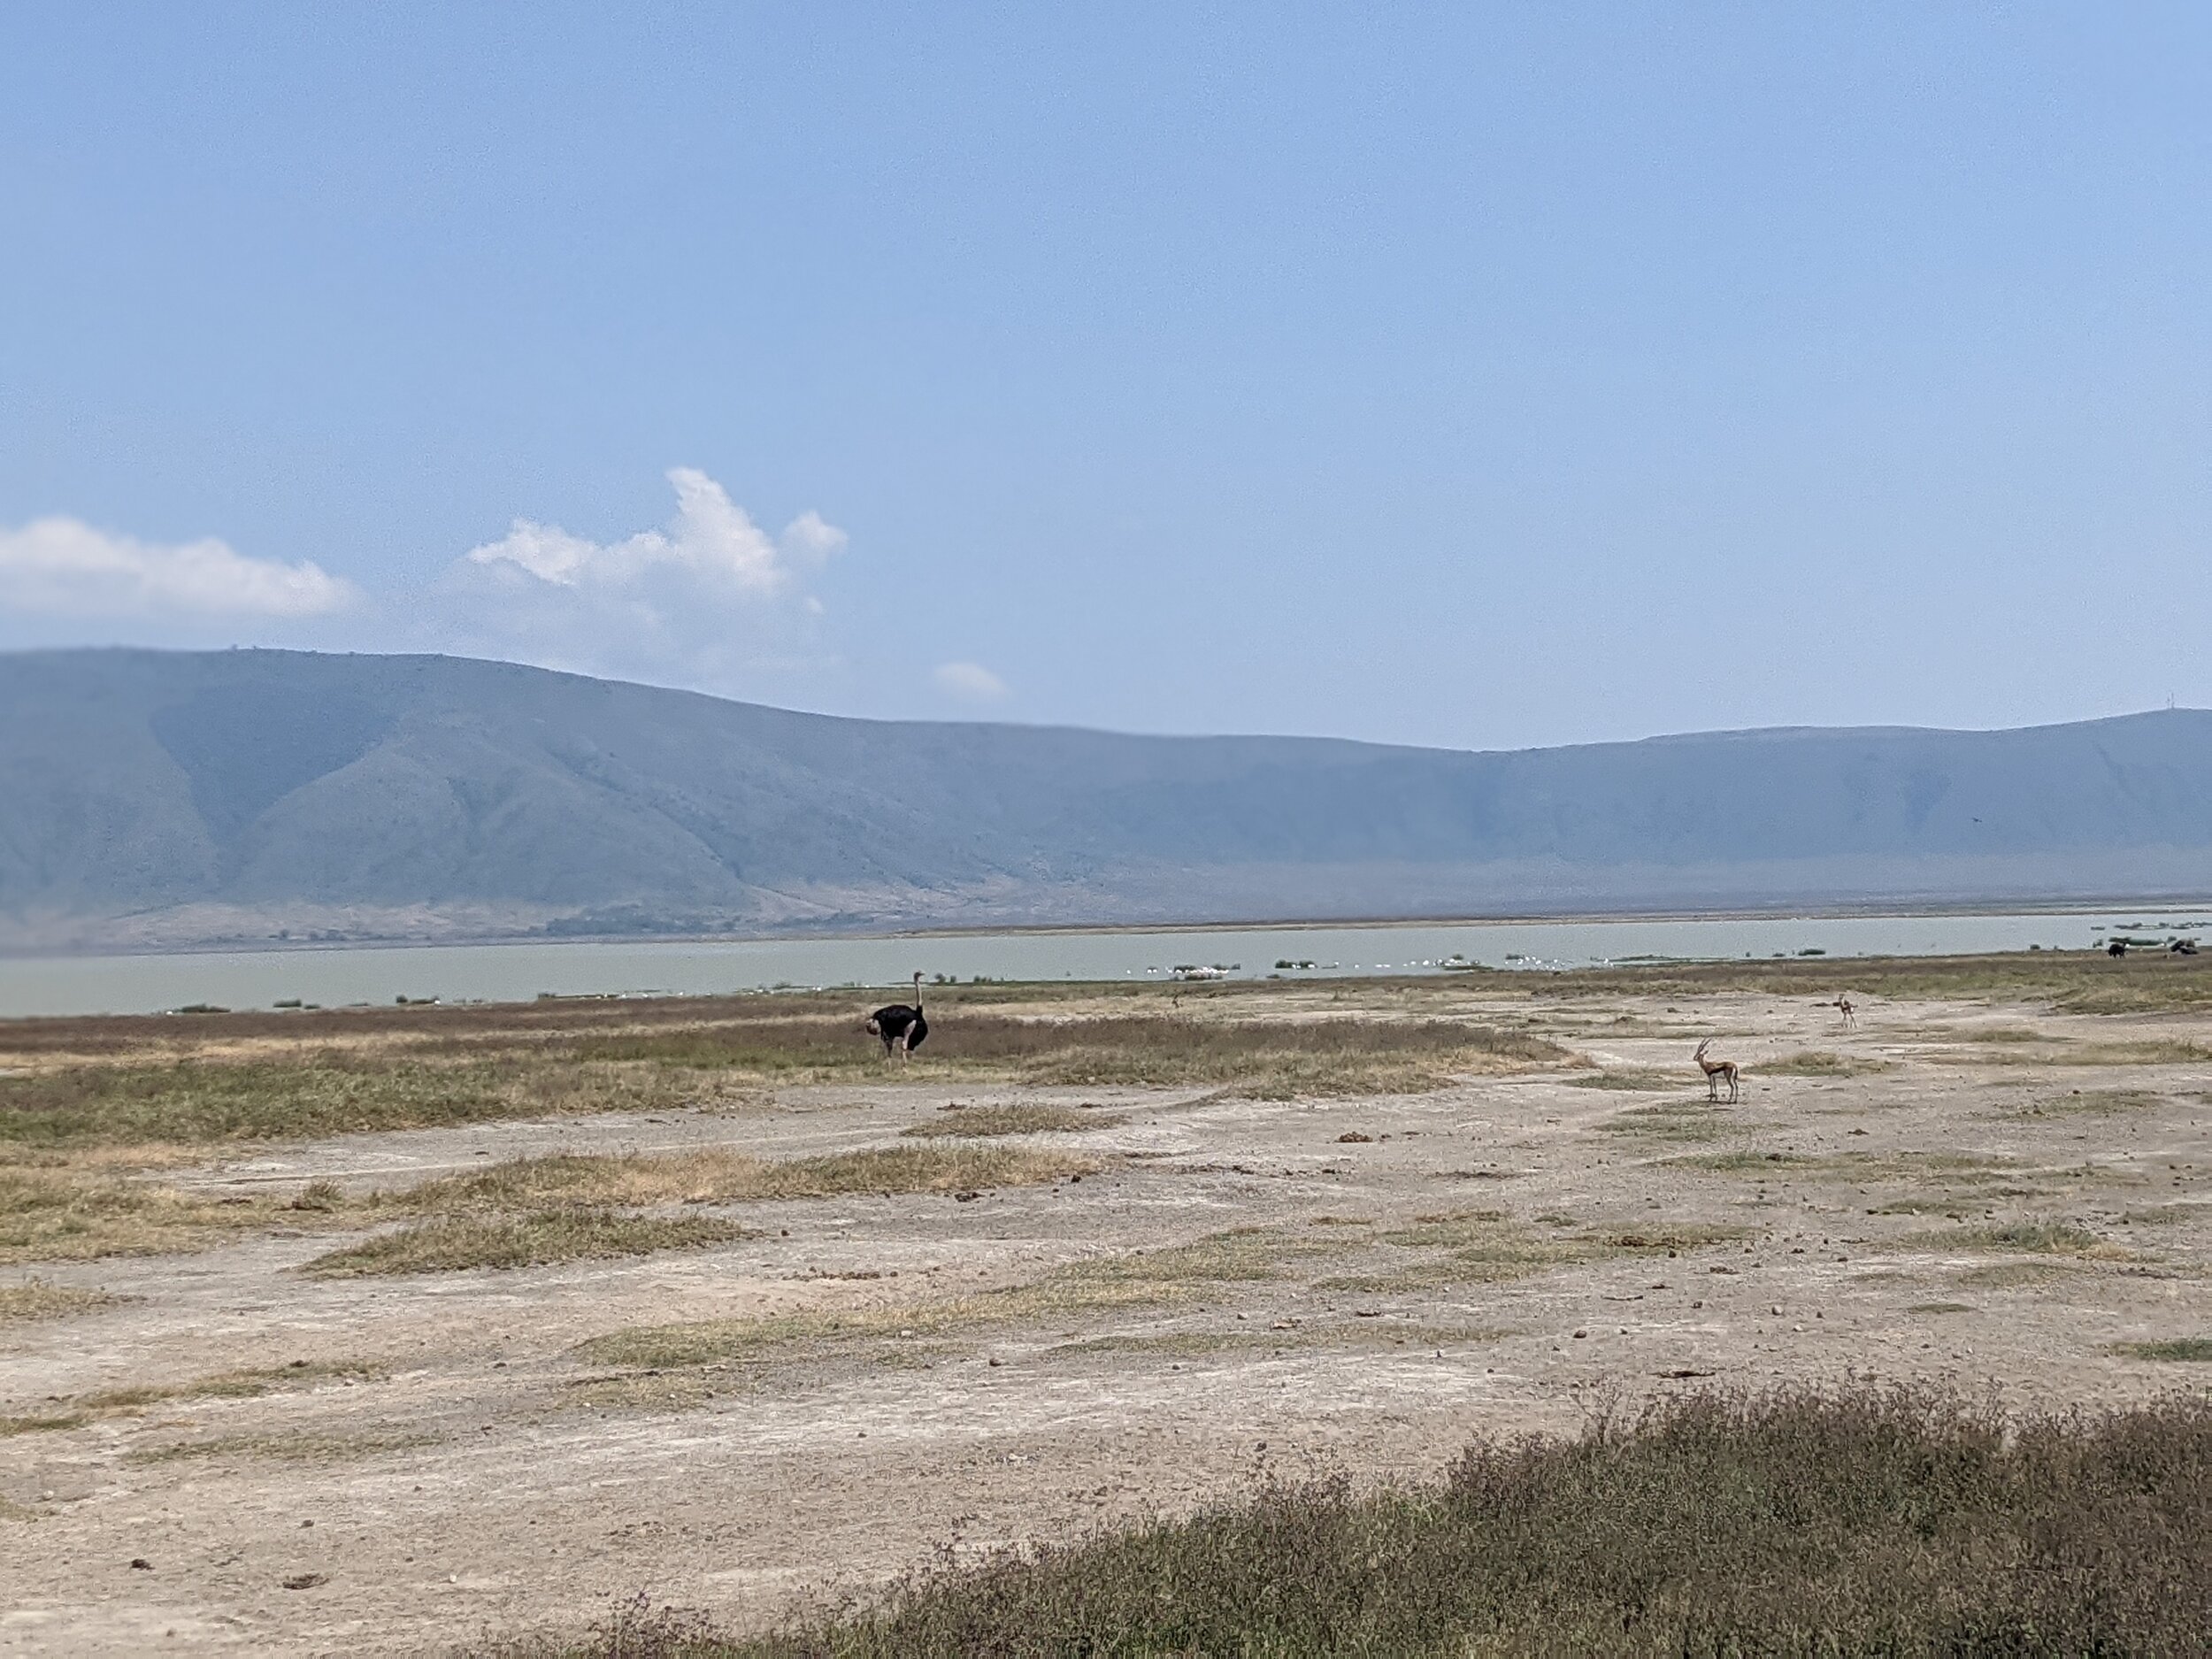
pixel 1890 1522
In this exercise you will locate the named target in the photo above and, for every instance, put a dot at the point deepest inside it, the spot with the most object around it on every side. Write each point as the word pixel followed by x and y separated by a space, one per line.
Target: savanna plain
pixel 1446 1315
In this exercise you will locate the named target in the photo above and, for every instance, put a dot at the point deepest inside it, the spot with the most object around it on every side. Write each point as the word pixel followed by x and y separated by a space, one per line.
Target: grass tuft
pixel 1631 1081
pixel 295 1448
pixel 2031 1238
pixel 36 1299
pixel 716 1175
pixel 1015 1119
pixel 75 1410
pixel 1695 1119
pixel 1822 1063
pixel 540 1237
pixel 2190 1348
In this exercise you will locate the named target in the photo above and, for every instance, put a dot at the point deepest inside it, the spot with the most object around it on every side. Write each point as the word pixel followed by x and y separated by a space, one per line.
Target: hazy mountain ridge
pixel 181 797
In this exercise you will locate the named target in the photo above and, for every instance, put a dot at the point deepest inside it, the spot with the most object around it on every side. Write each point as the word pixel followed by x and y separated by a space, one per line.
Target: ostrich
pixel 901 1027
pixel 1717 1073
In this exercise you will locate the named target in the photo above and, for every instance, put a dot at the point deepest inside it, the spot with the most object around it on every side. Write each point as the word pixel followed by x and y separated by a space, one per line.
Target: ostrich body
pixel 901 1027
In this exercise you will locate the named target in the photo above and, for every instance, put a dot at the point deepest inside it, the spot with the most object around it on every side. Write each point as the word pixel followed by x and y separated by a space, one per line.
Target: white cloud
pixel 712 541
pixel 807 537
pixel 700 601
pixel 971 680
pixel 65 567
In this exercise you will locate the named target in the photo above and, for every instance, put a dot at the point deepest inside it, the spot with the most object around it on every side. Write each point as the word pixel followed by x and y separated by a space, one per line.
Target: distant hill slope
pixel 189 797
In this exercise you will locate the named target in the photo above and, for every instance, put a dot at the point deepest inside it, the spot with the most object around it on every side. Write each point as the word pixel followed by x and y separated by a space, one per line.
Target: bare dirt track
pixel 1964 1187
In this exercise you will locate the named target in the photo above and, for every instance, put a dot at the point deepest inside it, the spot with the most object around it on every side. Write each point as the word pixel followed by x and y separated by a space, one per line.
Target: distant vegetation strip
pixel 237 1082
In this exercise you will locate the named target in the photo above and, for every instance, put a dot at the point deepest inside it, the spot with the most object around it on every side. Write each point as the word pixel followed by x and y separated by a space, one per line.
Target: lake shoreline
pixel 1875 909
pixel 326 974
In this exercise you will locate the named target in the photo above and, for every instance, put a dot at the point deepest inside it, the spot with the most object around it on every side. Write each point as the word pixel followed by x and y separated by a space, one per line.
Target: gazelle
pixel 1843 1005
pixel 1717 1073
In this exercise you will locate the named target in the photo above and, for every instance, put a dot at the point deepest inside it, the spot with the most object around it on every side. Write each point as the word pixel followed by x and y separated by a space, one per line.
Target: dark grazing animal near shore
pixel 901 1027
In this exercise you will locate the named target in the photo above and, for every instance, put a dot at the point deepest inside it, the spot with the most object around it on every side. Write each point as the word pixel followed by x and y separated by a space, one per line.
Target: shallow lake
pixel 336 976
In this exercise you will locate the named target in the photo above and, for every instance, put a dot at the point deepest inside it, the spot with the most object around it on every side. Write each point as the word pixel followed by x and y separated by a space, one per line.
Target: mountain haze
pixel 155 797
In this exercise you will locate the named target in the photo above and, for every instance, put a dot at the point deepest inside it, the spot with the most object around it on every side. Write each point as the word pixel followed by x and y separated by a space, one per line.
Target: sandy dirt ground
pixel 476 1474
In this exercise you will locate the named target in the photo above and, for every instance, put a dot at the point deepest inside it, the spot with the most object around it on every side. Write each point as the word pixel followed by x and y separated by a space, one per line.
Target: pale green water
pixel 517 972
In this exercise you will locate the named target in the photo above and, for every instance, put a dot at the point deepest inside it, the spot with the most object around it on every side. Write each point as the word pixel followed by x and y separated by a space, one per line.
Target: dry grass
pixel 1694 1118
pixel 1017 1119
pixel 2028 1238
pixel 2091 1103
pixel 1859 1168
pixel 1133 1279
pixel 39 1300
pixel 2013 1275
pixel 1634 1081
pixel 207 1104
pixel 1283 1337
pixel 75 1411
pixel 2100 1055
pixel 2000 1034
pixel 648 1391
pixel 1272 1059
pixel 1822 1063
pixel 60 1212
pixel 716 1175
pixel 66 1215
pixel 291 1448
pixel 538 1238
pixel 2187 1349
pixel 1794 1522
pixel 1485 1247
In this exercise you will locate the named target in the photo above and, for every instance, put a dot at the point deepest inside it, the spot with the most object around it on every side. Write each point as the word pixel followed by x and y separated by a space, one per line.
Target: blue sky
pixel 1479 376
